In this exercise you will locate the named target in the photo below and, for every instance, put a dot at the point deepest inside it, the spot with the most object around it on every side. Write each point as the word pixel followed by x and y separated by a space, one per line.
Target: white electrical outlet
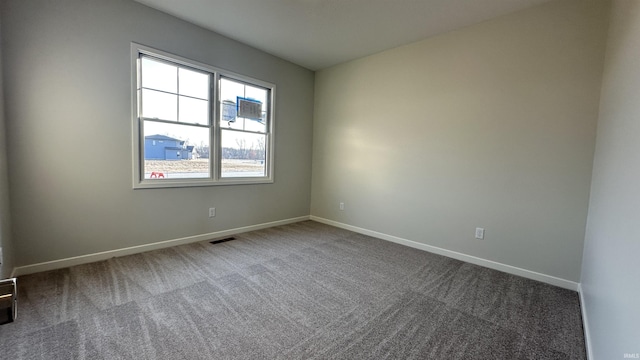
pixel 212 212
pixel 341 206
pixel 479 233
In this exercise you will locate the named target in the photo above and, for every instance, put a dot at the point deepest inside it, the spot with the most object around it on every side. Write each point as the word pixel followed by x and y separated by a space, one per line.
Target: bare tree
pixel 242 148
pixel 203 150
pixel 261 147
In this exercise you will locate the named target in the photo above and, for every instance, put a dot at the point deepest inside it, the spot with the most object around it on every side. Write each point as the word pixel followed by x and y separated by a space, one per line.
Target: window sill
pixel 168 183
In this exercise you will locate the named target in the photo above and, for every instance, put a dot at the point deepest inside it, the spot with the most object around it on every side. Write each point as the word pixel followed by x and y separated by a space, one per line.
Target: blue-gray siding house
pixel 161 147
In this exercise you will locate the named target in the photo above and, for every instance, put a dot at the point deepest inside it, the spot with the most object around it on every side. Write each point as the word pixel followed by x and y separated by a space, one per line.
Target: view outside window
pixel 176 127
pixel 243 135
pixel 197 125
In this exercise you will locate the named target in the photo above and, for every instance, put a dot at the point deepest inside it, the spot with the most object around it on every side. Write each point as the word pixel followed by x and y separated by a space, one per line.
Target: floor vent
pixel 222 240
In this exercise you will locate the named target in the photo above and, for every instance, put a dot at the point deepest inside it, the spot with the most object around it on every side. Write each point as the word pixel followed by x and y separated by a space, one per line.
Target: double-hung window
pixel 196 125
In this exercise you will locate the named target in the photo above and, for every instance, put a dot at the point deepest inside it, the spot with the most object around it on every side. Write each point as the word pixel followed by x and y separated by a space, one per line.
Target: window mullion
pixel 178 93
pixel 173 122
pixel 214 131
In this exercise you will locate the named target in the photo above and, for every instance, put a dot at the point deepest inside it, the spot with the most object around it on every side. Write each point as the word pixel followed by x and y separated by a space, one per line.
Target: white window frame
pixel 215 150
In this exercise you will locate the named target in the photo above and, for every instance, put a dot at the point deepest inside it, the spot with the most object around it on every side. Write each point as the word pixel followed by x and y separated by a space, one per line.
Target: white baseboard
pixel 89 258
pixel 456 255
pixel 585 323
pixel 83 259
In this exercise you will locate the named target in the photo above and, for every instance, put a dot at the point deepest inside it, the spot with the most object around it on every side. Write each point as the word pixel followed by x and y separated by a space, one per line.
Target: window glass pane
pixel 260 95
pixel 230 89
pixel 174 151
pixel 159 105
pixel 255 125
pixel 257 93
pixel 243 154
pixel 194 111
pixel 193 83
pixel 159 75
pixel 229 118
pixel 229 92
pixel 229 111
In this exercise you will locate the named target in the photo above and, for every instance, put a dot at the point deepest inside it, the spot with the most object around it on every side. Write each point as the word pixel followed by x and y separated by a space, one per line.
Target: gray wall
pixel 489 126
pixel 611 265
pixel 68 113
pixel 5 215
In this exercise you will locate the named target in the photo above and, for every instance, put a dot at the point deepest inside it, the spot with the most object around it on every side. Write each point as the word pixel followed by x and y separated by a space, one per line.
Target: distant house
pixel 161 147
pixel 192 153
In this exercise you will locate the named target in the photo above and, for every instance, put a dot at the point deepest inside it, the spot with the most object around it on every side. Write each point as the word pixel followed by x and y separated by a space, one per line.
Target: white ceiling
pixel 320 33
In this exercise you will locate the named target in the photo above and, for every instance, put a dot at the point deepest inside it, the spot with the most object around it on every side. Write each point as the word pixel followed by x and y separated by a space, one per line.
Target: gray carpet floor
pixel 300 291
